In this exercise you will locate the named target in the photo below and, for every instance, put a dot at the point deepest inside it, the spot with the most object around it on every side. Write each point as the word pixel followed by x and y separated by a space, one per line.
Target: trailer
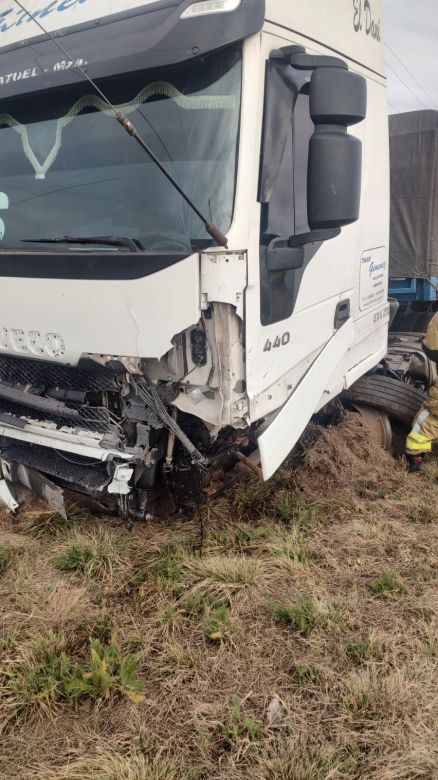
pixel 193 236
pixel 399 385
pixel 413 248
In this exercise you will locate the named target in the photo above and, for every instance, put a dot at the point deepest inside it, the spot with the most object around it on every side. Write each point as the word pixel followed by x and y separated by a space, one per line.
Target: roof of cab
pixel 350 29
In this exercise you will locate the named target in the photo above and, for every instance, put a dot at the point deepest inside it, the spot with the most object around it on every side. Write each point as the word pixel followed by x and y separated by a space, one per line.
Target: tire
pixel 392 396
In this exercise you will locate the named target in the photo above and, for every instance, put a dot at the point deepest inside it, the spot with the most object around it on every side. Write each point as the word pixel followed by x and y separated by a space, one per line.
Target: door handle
pixel 342 313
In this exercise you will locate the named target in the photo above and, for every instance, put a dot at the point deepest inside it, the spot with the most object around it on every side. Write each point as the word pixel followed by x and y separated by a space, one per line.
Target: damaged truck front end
pixel 108 431
pixel 191 262
pixel 117 371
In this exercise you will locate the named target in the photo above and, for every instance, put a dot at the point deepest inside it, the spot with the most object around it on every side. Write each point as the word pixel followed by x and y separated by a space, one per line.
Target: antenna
pixel 130 128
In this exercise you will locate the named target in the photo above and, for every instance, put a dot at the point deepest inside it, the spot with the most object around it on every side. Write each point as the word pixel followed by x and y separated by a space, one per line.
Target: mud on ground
pixel 288 632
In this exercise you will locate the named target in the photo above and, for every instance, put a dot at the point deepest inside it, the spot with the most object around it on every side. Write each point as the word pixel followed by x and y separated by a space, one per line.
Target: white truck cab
pixel 131 344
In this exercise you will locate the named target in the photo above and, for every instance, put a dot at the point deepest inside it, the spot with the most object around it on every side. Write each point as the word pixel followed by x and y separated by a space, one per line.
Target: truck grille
pixel 89 418
pixel 24 371
pixel 71 469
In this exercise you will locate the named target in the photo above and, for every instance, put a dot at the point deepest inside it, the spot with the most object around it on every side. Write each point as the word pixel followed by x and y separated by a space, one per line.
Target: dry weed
pixel 317 592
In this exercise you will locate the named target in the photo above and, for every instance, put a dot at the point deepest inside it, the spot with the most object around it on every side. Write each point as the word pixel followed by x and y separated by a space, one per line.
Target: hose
pixel 149 394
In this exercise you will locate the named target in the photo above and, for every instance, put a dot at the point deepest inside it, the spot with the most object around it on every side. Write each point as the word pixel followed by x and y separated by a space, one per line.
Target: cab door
pixel 300 291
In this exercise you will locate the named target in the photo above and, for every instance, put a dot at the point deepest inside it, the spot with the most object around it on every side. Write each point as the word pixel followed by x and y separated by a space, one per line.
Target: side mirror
pixel 337 99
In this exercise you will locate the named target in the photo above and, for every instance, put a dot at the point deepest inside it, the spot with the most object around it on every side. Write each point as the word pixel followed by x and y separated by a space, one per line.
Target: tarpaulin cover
pixel 413 249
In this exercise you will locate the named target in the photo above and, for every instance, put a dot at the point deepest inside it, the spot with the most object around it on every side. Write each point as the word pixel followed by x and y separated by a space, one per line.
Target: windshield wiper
pixel 132 244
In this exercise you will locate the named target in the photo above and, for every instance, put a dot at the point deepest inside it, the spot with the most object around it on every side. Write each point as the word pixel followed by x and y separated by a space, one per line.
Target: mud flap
pixel 16 475
pixel 277 441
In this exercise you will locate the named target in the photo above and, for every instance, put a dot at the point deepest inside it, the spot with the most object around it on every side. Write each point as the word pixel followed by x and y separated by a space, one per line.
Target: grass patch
pixel 200 603
pixel 304 757
pixel 363 650
pixel 8 556
pixel 265 655
pixel 387 584
pixel 36 680
pixel 167 571
pixel 376 695
pixel 217 625
pixel 40 522
pixel 241 537
pixel 290 507
pixel 108 764
pixel 290 545
pixel 249 497
pixel 237 727
pixel 178 657
pixel 426 515
pixel 304 675
pixel 48 674
pixel 302 616
pixel 96 554
pixel 219 575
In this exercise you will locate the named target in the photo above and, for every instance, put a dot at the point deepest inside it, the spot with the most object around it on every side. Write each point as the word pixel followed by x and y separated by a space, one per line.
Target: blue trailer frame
pixel 414 289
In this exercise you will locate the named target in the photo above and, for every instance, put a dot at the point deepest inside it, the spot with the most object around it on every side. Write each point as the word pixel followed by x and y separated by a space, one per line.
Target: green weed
pixel 47 674
pixel 217 624
pixel 97 554
pixel 237 727
pixel 36 680
pixel 108 672
pixel 8 557
pixel 293 507
pixel 301 616
pixel 305 675
pixel 364 650
pixel 167 570
pixel 290 545
pixel 387 583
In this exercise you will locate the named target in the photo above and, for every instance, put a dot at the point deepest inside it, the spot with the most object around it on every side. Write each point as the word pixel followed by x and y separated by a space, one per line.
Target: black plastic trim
pixel 107 266
pixel 154 37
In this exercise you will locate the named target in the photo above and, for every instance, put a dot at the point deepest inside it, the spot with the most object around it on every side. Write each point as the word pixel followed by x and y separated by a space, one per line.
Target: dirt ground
pixel 290 631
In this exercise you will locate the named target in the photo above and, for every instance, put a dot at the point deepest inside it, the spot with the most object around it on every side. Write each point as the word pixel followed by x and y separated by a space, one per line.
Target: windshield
pixel 68 168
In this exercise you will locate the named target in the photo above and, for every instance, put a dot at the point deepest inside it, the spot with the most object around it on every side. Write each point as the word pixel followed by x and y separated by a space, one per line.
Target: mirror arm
pixel 315 236
pixel 304 61
pixel 285 53
pixel 280 256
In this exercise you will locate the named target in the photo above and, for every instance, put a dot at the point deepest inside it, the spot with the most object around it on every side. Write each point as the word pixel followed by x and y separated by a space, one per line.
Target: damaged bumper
pixel 58 431
pixel 46 471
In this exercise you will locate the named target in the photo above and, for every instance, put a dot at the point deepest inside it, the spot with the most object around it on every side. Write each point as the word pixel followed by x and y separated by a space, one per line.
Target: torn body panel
pixel 104 428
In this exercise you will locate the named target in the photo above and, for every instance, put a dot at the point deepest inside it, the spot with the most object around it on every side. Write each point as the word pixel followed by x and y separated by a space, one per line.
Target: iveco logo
pixel 364 21
pixel 32 342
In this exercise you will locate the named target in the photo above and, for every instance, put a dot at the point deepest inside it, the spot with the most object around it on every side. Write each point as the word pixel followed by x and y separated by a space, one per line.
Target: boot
pixel 415 462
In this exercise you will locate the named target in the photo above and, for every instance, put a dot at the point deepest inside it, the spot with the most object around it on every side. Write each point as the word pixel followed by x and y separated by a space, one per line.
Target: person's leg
pixel 424 431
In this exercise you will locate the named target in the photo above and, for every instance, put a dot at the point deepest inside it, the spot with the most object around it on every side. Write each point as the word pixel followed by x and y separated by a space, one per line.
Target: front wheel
pixel 399 400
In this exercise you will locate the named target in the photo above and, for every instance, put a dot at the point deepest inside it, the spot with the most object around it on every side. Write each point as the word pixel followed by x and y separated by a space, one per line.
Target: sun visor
pixel 107 37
